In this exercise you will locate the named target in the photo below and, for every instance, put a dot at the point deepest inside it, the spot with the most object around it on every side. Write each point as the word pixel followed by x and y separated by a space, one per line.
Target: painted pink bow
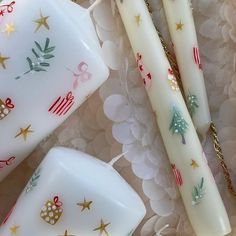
pixel 82 75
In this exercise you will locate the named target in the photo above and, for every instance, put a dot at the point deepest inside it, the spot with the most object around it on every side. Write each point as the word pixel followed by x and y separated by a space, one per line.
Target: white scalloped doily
pixel 129 123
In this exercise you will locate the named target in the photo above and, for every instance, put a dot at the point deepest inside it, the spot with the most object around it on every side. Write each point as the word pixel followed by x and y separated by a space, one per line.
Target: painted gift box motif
pixel 5 108
pixel 52 211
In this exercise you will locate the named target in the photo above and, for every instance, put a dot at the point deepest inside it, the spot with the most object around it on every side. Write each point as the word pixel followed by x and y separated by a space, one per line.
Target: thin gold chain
pixel 213 129
pixel 170 56
pixel 220 156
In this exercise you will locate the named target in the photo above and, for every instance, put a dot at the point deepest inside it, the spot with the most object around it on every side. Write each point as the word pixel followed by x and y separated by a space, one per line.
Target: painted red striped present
pixel 62 105
pixel 177 174
pixel 197 58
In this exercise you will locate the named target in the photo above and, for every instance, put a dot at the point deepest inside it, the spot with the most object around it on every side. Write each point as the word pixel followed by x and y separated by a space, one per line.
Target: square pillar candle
pixel 72 193
pixel 50 63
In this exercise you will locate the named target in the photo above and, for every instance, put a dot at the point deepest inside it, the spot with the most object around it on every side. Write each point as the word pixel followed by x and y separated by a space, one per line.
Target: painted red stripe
pixel 180 179
pixel 68 108
pixel 54 104
pixel 197 56
pixel 176 176
pixel 59 105
pixel 64 107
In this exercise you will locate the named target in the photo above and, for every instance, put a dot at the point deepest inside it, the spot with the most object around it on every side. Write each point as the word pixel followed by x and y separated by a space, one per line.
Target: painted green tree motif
pixel 41 56
pixel 33 181
pixel 178 124
pixel 192 103
pixel 198 193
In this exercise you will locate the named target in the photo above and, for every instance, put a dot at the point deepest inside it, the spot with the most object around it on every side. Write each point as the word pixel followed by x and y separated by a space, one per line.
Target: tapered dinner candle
pixel 182 29
pixel 193 176
pixel 73 193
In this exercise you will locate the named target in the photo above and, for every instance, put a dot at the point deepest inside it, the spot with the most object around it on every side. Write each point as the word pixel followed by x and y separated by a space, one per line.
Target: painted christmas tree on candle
pixel 178 124
pixel 192 102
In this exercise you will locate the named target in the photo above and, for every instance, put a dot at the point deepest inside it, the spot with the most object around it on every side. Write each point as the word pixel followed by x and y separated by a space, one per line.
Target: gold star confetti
pixel 179 26
pixel 2 60
pixel 85 205
pixel 42 21
pixel 9 28
pixel 14 229
pixel 102 228
pixel 66 234
pixel 194 164
pixel 24 132
pixel 138 19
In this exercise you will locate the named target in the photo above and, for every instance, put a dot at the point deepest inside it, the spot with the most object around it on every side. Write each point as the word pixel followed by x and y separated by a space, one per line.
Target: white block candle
pixel 72 193
pixel 182 29
pixel 50 63
pixel 193 176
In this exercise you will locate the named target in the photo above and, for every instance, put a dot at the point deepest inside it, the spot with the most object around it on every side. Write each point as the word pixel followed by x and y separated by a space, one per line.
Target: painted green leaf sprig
pixel 33 181
pixel 198 193
pixel 41 56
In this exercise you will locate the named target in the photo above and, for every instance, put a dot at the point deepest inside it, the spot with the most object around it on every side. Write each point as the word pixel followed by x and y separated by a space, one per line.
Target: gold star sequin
pixel 85 205
pixel 66 234
pixel 138 19
pixel 179 26
pixel 9 28
pixel 2 61
pixel 42 21
pixel 102 228
pixel 14 229
pixel 194 164
pixel 24 132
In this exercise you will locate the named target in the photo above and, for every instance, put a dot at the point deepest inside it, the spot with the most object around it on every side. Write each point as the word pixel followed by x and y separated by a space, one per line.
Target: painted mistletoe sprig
pixel 198 193
pixel 33 181
pixel 42 54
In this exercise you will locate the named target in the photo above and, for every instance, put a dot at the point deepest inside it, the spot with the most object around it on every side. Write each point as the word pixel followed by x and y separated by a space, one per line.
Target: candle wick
pixel 91 8
pixel 117 158
pixel 162 229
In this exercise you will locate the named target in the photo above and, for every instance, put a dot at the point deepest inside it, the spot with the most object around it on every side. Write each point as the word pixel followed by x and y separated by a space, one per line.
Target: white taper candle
pixel 193 176
pixel 184 37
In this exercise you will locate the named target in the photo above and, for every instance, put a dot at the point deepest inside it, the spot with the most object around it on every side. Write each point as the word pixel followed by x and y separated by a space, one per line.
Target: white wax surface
pixel 201 198
pixel 74 176
pixel 185 44
pixel 72 33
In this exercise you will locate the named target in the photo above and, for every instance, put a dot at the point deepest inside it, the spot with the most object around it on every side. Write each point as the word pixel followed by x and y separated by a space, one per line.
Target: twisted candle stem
pixel 212 129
